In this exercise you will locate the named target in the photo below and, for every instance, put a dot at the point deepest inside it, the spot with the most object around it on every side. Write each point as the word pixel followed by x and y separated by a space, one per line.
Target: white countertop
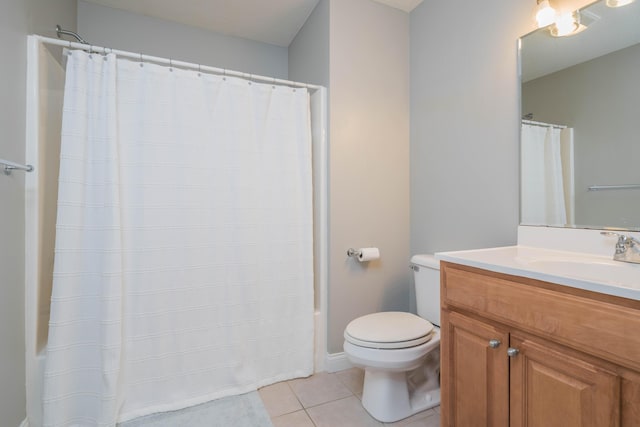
pixel 578 270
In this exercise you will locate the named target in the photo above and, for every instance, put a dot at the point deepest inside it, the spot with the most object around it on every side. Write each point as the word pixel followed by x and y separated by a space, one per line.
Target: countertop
pixel 578 270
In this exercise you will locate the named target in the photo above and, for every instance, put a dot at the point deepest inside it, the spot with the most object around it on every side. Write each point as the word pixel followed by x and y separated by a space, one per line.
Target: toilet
pixel 400 352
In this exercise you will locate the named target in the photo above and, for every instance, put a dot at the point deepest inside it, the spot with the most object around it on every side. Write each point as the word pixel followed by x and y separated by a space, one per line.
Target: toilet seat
pixel 389 330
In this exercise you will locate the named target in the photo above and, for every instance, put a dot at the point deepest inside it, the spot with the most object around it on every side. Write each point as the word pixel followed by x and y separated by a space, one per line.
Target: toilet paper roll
pixel 368 254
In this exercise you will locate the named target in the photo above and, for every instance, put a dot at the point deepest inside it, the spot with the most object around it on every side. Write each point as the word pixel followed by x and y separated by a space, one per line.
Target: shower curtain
pixel 184 260
pixel 547 175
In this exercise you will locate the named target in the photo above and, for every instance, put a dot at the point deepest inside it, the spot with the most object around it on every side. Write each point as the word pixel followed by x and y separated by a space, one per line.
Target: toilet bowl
pixel 387 393
pixel 400 352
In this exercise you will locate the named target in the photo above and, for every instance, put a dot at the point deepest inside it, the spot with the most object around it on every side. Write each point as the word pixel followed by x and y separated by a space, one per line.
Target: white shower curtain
pixel 183 268
pixel 546 177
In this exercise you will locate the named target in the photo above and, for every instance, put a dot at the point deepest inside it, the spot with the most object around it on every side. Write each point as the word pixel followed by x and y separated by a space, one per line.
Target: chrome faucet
pixel 627 247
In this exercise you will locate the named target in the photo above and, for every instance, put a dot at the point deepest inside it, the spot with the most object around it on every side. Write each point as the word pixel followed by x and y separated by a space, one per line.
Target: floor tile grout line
pixel 310 419
pixel 305 409
pixel 296 394
pixel 428 413
pixel 328 401
pixel 297 399
pixel 286 382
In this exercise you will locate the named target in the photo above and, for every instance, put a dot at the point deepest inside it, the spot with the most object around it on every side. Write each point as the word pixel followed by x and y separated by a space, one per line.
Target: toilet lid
pixel 390 329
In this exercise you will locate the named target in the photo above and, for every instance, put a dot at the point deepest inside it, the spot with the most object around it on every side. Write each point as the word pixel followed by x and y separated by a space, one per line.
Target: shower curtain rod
pixel 546 125
pixel 172 63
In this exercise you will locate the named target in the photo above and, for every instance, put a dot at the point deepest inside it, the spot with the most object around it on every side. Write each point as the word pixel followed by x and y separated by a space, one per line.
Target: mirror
pixel 580 139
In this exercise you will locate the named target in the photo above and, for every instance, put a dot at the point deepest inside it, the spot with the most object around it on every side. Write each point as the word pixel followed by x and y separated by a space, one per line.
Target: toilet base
pixel 389 397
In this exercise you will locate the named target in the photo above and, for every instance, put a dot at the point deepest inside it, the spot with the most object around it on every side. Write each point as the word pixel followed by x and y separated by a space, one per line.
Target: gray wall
pixel 602 107
pixel 17 19
pixel 13 48
pixel 118 29
pixel 359 49
pixel 465 123
pixel 369 161
pixel 309 51
pixel 44 15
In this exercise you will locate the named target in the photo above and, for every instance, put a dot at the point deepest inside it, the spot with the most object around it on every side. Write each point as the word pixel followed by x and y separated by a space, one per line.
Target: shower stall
pixel 45 89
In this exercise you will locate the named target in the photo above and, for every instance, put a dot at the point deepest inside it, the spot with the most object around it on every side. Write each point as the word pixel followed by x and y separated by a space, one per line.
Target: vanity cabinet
pixel 521 352
pixel 552 388
pixel 474 373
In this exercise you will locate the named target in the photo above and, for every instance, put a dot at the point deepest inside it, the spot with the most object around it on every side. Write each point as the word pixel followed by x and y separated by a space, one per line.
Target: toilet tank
pixel 426 276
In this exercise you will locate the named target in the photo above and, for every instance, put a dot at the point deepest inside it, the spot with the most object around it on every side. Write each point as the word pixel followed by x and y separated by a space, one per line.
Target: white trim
pixel 335 362
pixel 31 236
pixel 320 171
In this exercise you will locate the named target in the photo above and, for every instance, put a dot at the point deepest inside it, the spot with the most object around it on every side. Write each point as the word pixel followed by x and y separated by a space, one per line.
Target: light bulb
pixel 566 24
pixel 618 3
pixel 545 14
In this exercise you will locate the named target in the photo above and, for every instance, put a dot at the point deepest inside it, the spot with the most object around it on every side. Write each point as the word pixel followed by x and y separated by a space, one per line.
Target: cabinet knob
pixel 494 343
pixel 512 352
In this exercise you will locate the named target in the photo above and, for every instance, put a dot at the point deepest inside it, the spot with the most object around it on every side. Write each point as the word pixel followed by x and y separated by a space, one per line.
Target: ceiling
pixel 268 21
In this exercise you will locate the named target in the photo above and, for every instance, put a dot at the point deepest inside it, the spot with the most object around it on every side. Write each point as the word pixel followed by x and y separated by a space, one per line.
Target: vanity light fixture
pixel 560 24
pixel 545 14
pixel 567 24
pixel 618 3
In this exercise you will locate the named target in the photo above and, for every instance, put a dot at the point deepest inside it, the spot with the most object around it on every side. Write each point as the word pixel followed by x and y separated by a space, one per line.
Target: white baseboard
pixel 335 362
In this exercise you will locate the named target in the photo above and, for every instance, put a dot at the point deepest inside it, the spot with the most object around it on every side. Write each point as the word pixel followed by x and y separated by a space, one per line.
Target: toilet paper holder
pixel 353 253
pixel 364 254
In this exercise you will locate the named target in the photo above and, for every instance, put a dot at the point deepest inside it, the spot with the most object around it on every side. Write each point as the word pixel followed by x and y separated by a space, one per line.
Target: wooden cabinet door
pixel 549 388
pixel 630 400
pixel 475 375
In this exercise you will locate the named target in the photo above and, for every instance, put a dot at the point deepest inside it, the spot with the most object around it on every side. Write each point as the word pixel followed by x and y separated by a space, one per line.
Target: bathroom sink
pixel 592 269
pixel 584 271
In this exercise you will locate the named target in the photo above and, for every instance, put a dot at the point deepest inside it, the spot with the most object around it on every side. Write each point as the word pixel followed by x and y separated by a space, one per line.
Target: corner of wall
pixel 44 15
pixel 309 50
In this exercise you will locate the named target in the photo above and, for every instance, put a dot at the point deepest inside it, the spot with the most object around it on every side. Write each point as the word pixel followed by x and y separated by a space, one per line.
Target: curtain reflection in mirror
pixel 547 186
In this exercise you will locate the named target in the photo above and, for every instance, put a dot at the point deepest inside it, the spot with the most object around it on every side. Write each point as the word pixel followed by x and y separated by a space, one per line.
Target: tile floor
pixel 329 400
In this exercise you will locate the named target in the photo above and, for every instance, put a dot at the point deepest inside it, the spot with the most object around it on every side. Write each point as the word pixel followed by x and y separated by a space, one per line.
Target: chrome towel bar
pixel 614 187
pixel 10 166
